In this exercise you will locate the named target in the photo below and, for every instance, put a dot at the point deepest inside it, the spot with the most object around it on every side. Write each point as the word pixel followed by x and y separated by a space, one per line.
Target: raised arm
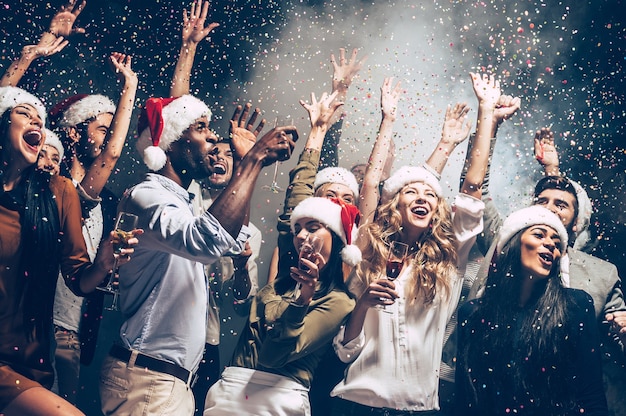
pixel 242 133
pixel 320 114
pixel 243 136
pixel 193 33
pixel 51 41
pixel 493 109
pixel 369 196
pixel 455 130
pixel 275 145
pixel 343 74
pixel 97 174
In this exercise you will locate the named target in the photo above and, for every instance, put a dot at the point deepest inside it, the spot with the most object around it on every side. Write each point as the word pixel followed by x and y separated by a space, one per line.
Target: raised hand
pixel 456 127
pixel 506 106
pixel 545 151
pixel 389 97
pixel 308 278
pixel 243 134
pixel 62 23
pixel 345 71
pixel 320 112
pixel 275 146
pixel 486 88
pixel 122 65
pixel 193 23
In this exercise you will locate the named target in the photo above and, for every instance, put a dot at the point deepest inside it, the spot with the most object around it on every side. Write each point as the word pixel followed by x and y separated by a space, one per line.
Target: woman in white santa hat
pixel 529 345
pixel 289 331
pixel 394 350
pixel 40 219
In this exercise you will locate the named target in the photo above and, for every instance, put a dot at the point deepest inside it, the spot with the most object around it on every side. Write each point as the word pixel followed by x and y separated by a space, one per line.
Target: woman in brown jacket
pixel 40 231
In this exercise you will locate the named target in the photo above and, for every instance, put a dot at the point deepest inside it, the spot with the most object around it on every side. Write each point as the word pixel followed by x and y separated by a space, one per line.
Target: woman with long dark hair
pixel 289 330
pixel 529 345
pixel 40 231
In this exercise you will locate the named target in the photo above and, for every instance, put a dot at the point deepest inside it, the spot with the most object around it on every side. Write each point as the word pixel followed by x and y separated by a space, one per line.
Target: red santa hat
pixel 12 96
pixel 343 219
pixel 79 108
pixel 162 122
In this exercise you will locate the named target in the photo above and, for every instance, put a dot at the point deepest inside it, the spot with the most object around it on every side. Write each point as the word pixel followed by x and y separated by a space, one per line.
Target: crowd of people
pixel 480 315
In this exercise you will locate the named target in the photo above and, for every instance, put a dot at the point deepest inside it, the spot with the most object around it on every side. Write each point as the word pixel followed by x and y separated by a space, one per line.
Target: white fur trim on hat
pixel 12 96
pixel 86 108
pixel 337 175
pixel 177 117
pixel 526 217
pixel 328 213
pixel 406 175
pixel 53 140
pixel 583 219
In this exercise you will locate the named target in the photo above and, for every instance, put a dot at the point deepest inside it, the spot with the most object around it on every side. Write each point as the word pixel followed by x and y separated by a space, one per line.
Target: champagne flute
pixel 124 225
pixel 273 187
pixel 395 261
pixel 310 247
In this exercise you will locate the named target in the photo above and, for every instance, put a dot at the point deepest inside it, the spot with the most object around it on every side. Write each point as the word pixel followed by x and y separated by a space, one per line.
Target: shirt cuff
pixel 348 352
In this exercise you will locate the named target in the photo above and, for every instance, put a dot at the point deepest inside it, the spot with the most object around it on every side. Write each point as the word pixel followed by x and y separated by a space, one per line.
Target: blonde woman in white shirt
pixel 394 354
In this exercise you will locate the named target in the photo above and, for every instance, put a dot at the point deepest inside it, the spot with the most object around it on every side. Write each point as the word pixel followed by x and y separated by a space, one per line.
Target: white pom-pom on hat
pixel 341 218
pixel 162 122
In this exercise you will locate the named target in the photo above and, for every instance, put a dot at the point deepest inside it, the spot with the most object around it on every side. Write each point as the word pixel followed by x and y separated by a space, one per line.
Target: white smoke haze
pixel 430 48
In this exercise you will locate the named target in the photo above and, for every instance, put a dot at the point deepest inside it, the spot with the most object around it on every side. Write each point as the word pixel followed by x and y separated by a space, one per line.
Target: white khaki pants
pixel 246 392
pixel 136 391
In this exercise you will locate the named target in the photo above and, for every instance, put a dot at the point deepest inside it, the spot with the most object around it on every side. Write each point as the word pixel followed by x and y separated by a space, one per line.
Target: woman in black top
pixel 530 345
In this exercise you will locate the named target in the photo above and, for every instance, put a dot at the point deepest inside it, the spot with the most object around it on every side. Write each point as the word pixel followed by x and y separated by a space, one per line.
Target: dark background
pixel 565 60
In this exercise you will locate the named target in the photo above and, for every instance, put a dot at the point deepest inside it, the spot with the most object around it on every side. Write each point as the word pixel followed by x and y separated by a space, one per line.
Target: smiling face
pixel 25 135
pixel 192 155
pixel 417 203
pixel 49 160
pixel 309 226
pixel 92 143
pixel 540 251
pixel 221 165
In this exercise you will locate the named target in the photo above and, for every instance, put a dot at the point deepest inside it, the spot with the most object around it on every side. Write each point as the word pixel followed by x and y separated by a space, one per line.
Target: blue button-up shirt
pixel 163 292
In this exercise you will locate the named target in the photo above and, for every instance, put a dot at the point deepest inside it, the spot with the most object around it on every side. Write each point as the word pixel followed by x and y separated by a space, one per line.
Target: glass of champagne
pixel 273 187
pixel 309 248
pixel 124 225
pixel 395 261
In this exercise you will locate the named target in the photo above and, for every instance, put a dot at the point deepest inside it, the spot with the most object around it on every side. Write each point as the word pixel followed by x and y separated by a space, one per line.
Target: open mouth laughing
pixel 33 137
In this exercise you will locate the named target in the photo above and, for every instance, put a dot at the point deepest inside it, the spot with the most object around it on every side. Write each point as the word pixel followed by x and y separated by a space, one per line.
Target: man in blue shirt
pixel 163 293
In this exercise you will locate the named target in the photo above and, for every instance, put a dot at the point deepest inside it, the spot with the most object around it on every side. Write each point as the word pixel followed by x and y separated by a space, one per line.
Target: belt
pixel 151 363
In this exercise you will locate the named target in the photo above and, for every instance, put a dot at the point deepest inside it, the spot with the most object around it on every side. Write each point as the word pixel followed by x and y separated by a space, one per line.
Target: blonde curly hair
pixel 434 261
